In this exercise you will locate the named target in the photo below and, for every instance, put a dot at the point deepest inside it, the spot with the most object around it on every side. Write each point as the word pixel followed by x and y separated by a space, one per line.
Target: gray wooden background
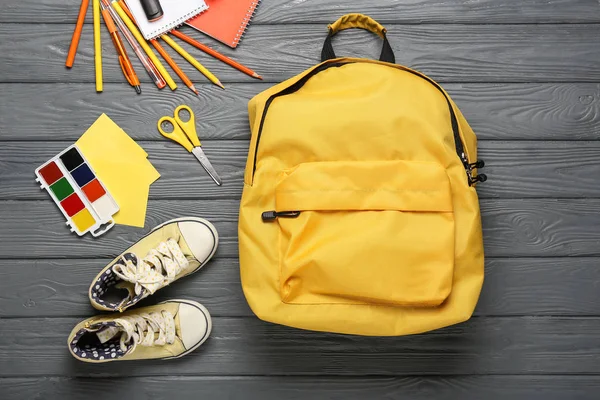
pixel 526 74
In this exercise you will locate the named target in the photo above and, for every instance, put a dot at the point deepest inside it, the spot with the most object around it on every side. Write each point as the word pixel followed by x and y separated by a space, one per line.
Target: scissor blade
pixel 206 164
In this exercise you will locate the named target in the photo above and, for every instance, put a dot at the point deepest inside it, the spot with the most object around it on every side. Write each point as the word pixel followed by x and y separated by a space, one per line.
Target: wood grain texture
pixel 501 111
pixel 558 387
pixel 248 346
pixel 516 169
pixel 512 287
pixel 448 53
pixel 511 228
pixel 385 11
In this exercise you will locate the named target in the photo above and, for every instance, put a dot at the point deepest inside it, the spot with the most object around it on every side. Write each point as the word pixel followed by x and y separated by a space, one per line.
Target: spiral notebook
pixel 176 12
pixel 225 20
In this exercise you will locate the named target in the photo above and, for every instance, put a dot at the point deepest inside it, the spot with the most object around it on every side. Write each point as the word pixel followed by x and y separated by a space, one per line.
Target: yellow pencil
pixel 144 45
pixel 192 61
pixel 97 45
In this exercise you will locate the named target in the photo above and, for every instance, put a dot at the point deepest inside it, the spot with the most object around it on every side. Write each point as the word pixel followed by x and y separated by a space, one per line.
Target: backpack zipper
pixel 270 216
pixel 460 149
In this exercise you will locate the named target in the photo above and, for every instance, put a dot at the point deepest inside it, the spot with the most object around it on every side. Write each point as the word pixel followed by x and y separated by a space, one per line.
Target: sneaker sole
pixel 208 325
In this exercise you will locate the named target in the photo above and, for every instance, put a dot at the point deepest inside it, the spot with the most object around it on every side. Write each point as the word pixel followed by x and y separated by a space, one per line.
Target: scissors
pixel 184 133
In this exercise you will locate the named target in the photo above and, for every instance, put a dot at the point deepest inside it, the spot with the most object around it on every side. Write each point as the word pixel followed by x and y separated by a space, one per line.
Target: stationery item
pixel 215 54
pixel 97 44
pixel 152 9
pixel 77 33
pixel 78 192
pixel 124 61
pixel 184 133
pixel 225 20
pixel 144 45
pixel 146 62
pixel 123 167
pixel 175 13
pixel 174 66
pixel 192 61
pixel 164 54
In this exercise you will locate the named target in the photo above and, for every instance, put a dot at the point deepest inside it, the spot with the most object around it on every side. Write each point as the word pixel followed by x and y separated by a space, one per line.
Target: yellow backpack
pixel 359 213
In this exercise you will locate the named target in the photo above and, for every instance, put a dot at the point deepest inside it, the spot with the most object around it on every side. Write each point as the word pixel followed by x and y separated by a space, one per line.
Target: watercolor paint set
pixel 78 192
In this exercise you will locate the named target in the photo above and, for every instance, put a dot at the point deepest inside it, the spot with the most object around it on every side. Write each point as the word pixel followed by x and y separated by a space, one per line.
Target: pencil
pixel 215 54
pixel 164 54
pixel 136 33
pixel 174 66
pixel 77 33
pixel 192 61
pixel 97 44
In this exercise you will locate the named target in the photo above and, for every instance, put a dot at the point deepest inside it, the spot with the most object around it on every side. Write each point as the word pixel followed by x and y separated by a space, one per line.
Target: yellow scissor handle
pixel 189 126
pixel 177 135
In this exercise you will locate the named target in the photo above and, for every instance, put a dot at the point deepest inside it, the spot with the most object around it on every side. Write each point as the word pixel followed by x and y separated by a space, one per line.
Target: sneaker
pixel 169 252
pixel 167 330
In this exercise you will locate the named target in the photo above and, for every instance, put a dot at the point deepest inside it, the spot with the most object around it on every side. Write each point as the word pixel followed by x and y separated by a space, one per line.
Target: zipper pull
pixel 478 164
pixel 270 216
pixel 479 178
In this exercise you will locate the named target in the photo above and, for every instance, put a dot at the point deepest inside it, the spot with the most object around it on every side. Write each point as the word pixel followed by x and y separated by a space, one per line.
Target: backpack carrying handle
pixel 357 21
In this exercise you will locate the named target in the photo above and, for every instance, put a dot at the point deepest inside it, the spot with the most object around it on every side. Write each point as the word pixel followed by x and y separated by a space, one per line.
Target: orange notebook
pixel 225 20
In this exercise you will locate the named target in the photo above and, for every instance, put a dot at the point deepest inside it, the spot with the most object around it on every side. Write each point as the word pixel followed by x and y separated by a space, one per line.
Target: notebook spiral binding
pixel 175 24
pixel 249 15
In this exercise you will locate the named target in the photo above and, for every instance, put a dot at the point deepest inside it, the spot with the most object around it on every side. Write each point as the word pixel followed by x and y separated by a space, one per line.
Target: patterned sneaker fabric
pixel 87 342
pixel 129 280
pixel 112 340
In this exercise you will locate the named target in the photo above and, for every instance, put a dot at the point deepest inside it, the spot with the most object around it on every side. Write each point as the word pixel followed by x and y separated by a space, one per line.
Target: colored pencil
pixel 174 66
pixel 97 44
pixel 77 33
pixel 136 33
pixel 215 54
pixel 192 61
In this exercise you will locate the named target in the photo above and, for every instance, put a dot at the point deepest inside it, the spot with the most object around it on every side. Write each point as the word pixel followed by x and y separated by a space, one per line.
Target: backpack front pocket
pixel 371 232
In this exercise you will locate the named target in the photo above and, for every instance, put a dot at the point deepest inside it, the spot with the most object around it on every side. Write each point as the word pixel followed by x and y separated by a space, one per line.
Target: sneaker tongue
pixel 106 334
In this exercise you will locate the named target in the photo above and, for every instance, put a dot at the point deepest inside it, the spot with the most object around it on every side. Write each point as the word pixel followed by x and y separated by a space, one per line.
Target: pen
pixel 143 44
pixel 124 61
pixel 146 62
pixel 164 54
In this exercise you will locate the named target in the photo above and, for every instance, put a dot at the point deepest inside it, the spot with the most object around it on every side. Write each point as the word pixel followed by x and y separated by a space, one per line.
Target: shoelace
pixel 142 328
pixel 158 269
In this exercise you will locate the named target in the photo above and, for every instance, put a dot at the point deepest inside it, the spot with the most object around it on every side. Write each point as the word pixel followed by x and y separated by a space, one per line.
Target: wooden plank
pixel 512 287
pixel 511 228
pixel 35 220
pixel 420 11
pixel 58 288
pixel 456 53
pixel 557 387
pixel 248 346
pixel 515 169
pixel 504 111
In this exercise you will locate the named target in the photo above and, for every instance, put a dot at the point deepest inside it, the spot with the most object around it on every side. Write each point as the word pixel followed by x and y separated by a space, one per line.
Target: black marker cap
pixel 152 9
